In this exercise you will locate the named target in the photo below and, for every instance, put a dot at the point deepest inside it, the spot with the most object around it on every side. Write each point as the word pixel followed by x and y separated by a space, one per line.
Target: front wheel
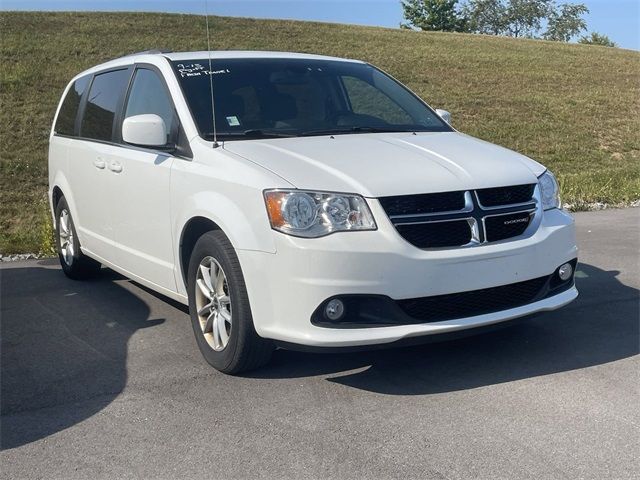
pixel 219 308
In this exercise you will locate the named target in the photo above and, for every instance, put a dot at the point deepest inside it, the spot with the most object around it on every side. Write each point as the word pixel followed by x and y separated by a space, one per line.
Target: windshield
pixel 262 97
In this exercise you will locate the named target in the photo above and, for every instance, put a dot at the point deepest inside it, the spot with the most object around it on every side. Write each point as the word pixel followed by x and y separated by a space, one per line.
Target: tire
pixel 75 264
pixel 219 308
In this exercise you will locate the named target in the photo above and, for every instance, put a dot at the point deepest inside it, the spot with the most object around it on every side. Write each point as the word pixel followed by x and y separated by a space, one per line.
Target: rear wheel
pixel 219 308
pixel 75 264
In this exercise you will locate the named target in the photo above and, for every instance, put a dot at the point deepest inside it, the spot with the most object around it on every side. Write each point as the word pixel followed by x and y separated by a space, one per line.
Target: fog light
pixel 334 309
pixel 565 271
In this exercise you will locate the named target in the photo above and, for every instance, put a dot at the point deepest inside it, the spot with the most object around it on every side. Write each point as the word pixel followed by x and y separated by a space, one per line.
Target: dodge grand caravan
pixel 293 200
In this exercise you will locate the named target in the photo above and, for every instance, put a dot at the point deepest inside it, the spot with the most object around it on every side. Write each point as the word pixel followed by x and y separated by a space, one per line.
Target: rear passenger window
pixel 149 95
pixel 66 121
pixel 102 103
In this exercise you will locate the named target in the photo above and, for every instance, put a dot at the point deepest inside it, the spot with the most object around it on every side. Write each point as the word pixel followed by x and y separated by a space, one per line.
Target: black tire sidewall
pixel 215 244
pixel 70 270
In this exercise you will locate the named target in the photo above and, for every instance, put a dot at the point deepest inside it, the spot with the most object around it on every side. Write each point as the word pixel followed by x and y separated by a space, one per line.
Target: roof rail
pixel 149 52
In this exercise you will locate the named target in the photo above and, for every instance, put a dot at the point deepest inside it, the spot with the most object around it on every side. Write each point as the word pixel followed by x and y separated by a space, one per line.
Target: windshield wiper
pixel 253 133
pixel 347 130
pixel 258 133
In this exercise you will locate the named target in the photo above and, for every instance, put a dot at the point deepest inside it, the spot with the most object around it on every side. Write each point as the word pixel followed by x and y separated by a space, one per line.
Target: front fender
pixel 227 190
pixel 246 228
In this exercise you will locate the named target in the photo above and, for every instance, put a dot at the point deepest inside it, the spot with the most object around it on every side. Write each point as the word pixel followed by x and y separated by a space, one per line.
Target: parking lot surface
pixel 103 379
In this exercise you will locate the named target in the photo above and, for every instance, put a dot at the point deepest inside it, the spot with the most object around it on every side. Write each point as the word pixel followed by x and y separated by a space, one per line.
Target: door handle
pixel 115 167
pixel 99 163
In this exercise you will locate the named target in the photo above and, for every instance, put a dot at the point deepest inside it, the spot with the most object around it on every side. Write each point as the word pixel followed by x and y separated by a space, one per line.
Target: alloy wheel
pixel 213 303
pixel 65 234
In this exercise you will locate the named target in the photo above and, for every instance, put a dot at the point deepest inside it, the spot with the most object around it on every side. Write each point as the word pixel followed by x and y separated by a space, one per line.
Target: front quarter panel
pixel 227 190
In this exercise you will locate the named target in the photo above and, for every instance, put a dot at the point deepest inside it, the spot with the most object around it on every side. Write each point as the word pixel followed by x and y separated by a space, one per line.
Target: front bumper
pixel 286 288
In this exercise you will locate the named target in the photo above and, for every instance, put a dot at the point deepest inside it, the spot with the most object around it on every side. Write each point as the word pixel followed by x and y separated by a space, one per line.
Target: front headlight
pixel 549 191
pixel 315 214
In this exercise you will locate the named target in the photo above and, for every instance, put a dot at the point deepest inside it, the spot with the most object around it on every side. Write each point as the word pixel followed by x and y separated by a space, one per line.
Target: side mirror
pixel 148 130
pixel 446 116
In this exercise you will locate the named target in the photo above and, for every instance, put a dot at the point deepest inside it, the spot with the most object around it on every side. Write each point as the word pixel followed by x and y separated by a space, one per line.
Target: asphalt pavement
pixel 103 379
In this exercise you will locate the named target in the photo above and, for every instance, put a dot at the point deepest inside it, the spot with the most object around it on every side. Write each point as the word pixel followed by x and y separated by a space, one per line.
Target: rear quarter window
pixel 66 121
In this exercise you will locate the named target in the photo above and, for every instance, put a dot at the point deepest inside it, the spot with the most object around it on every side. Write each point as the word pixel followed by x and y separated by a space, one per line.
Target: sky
pixel 618 19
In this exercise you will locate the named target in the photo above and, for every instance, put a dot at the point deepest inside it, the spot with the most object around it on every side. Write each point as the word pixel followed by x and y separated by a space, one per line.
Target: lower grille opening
pixel 477 302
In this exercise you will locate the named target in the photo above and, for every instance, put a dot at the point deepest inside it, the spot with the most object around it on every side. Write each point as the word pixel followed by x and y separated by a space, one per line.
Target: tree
pixel 597 39
pixel 439 15
pixel 524 17
pixel 566 22
pixel 514 18
pixel 486 16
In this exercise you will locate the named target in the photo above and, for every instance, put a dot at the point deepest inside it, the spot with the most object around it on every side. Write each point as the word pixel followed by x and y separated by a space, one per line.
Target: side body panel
pixel 91 184
pixel 142 214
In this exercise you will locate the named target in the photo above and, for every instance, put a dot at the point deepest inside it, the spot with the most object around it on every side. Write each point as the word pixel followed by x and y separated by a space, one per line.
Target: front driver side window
pixel 149 95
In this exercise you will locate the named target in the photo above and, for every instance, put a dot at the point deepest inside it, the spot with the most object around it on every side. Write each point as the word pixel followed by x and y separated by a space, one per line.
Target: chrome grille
pixel 492 197
pixel 437 234
pixel 464 218
pixel 501 227
pixel 424 203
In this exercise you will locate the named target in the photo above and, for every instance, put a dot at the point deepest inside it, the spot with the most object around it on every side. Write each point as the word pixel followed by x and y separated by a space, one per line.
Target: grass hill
pixel 575 108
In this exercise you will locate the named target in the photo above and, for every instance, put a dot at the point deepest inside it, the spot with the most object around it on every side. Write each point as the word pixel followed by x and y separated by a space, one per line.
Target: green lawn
pixel 575 108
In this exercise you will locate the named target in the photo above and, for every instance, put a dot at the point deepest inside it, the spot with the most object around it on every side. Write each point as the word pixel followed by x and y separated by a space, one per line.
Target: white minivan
pixel 299 201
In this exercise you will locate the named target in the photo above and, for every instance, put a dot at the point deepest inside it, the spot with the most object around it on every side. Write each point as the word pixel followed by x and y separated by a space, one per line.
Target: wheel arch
pixel 191 232
pixel 56 195
pixel 60 188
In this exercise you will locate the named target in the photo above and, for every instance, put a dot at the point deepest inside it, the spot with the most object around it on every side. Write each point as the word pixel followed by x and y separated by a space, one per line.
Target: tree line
pixel 514 18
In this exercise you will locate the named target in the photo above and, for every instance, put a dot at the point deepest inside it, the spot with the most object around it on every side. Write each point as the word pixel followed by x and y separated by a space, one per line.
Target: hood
pixel 386 164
